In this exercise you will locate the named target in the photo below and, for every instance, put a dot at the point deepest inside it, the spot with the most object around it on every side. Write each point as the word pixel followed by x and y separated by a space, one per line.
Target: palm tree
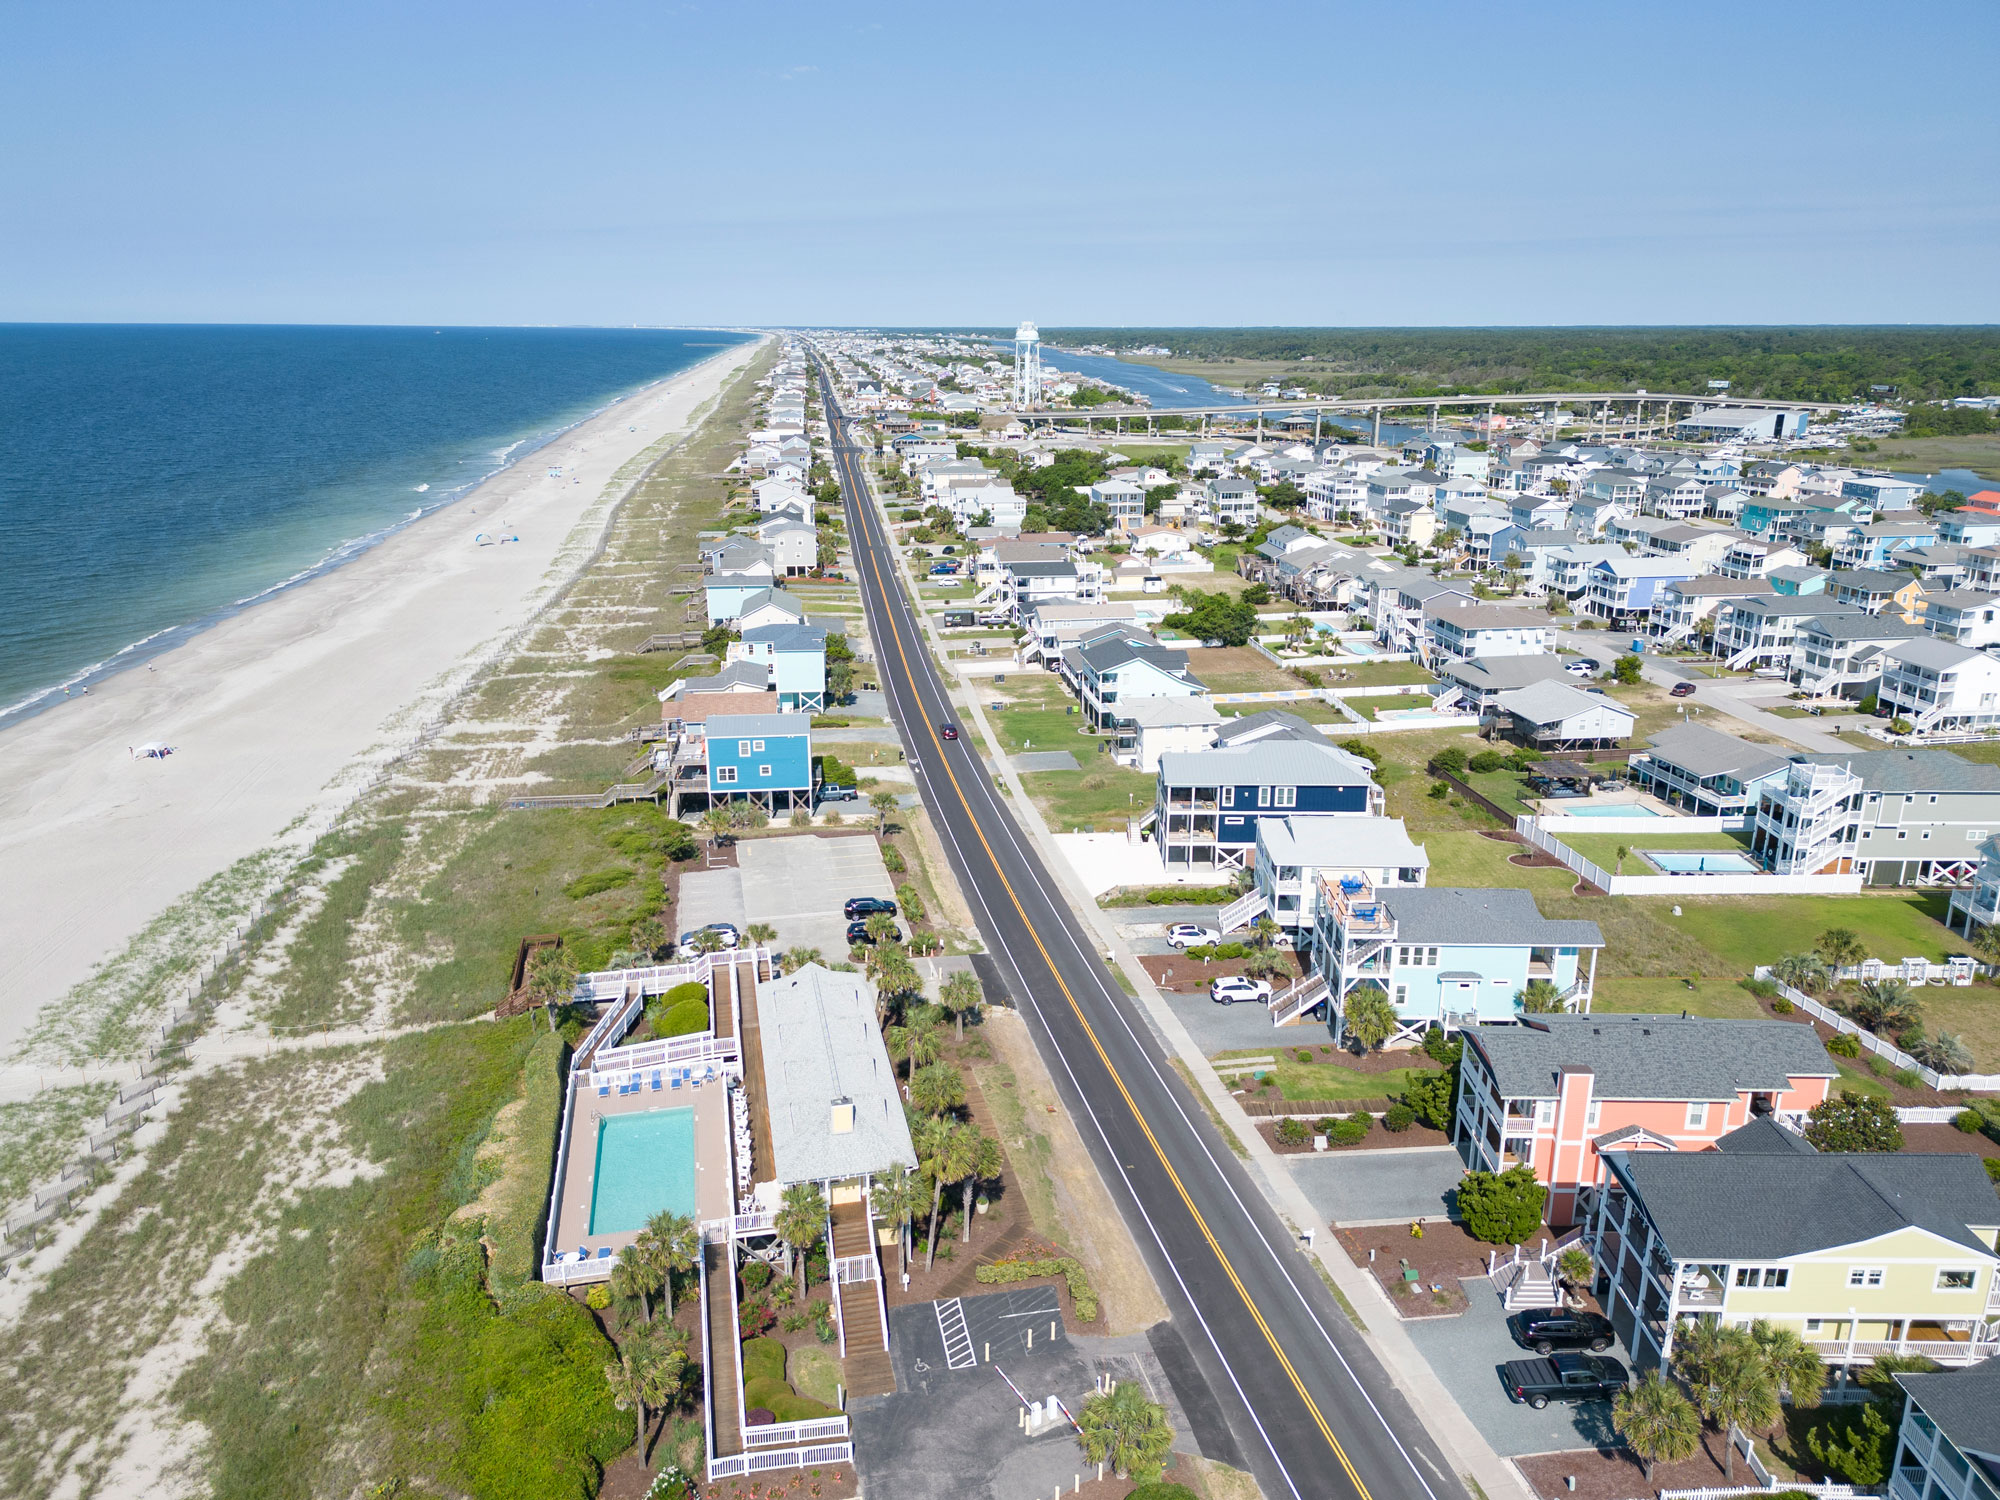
pixel 1538 998
pixel 1122 1427
pixel 895 976
pixel 961 996
pixel 1886 1005
pixel 1840 948
pixel 884 803
pixel 760 933
pixel 638 1273
pixel 1944 1053
pixel 983 1152
pixel 1802 971
pixel 1657 1421
pixel 1986 942
pixel 717 821
pixel 801 1224
pixel 937 1089
pixel 898 1196
pixel 955 1155
pixel 648 936
pixel 676 1242
pixel 631 1386
pixel 797 958
pixel 551 980
pixel 1791 1361
pixel 663 1368
pixel 1741 1392
pixel 920 1040
pixel 881 927
pixel 1574 1266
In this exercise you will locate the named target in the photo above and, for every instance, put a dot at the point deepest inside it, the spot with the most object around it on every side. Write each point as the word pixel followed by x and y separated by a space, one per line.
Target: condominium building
pixel 1894 817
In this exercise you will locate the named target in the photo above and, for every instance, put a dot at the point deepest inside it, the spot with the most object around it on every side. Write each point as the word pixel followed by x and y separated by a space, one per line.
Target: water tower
pixel 1027 366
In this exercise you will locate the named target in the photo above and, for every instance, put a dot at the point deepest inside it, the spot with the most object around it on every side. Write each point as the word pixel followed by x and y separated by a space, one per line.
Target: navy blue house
pixel 1207 802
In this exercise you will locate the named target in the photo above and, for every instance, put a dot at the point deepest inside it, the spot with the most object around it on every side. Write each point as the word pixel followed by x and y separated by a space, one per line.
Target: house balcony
pixel 1695 1287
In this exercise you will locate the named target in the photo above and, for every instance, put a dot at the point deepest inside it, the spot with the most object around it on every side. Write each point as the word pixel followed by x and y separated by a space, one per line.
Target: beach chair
pixel 656 1080
pixel 677 1081
pixel 604 1252
pixel 603 1090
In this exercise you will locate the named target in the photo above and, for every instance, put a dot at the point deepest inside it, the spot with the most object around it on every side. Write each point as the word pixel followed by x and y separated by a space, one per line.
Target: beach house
pixel 1207 803
pixel 795 656
pixel 761 758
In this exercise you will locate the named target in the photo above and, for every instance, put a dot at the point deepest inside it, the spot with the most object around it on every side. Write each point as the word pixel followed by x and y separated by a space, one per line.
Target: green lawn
pixel 1972 1012
pixel 1987 753
pixel 1747 930
pixel 1312 710
pixel 1856 1078
pixel 1377 674
pixel 1297 1080
pixel 1508 788
pixel 1710 997
pixel 1472 859
pixel 1099 798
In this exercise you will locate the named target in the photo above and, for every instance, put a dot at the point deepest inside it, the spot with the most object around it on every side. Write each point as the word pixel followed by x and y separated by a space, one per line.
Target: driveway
pixel 1723 697
pixel 1389 1186
pixel 799 883
pixel 1466 1353
pixel 710 896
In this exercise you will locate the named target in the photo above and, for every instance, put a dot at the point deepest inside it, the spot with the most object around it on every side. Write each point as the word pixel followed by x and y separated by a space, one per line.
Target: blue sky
pixel 1095 163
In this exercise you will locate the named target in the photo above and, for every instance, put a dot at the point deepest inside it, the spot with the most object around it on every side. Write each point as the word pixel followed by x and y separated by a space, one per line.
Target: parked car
pixel 1191 935
pixel 949 731
pixel 942 568
pixel 838 794
pixel 1546 1332
pixel 691 941
pixel 951 551
pixel 1590 664
pixel 860 908
pixel 857 932
pixel 1564 1377
pixel 1580 668
pixel 1234 987
pixel 1681 689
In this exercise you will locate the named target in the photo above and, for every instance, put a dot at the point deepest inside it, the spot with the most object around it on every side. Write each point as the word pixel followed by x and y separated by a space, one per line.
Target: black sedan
pixel 860 908
pixel 1546 1332
pixel 857 932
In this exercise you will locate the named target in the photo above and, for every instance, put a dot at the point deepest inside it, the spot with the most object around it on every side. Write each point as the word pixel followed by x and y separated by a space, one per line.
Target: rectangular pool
pixel 1702 861
pixel 1606 810
pixel 645 1163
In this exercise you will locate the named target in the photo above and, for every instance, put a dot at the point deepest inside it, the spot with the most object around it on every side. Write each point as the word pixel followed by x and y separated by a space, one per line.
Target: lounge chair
pixel 604 1252
pixel 603 1090
pixel 677 1080
pixel 656 1080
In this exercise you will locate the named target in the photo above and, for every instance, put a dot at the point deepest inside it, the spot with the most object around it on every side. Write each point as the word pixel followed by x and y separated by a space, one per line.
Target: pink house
pixel 1557 1092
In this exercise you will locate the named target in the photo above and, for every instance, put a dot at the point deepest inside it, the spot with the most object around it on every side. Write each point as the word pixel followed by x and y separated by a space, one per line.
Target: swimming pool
pixel 1357 648
pixel 645 1163
pixel 1605 810
pixel 1702 862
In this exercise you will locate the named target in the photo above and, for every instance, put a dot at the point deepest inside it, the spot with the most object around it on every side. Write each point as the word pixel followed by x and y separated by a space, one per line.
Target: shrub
pixel 1449 761
pixel 1501 1208
pixel 1908 1078
pixel 756 1276
pixel 596 883
pixel 911 902
pixel 685 1019
pixel 1846 1044
pixel 598 1297
pixel 1992 1165
pixel 1004 1272
pixel 1967 1121
pixel 1181 895
pixel 1854 1122
pixel 1159 1489
pixel 1303 1054
pixel 1429 1098
pixel 1486 761
pixel 1439 791
pixel 1218 952
pixel 1398 1118
pixel 1764 989
pixel 892 859
pixel 754 1316
pixel 1347 1133
pixel 1362 1118
pixel 680 994
pixel 1782 1007
pixel 1292 1132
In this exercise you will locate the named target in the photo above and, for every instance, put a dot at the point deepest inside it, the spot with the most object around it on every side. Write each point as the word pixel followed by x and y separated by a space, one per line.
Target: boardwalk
pixel 867 1371
pixel 722 1348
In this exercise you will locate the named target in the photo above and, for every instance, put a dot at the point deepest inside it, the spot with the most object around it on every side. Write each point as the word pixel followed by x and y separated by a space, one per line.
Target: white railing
pixel 1760 883
pixel 657 979
pixel 850 1270
pixel 1298 997
pixel 1244 909
pixel 1557 822
pixel 777 1434
pixel 625 1064
pixel 1978 1083
pixel 782 1458
pixel 564 1272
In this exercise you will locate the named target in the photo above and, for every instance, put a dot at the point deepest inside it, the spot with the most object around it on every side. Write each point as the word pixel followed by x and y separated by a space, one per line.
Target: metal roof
pixel 1703 752
pixel 821 1047
pixel 1651 1057
pixel 758 726
pixel 1272 762
pixel 1551 702
pixel 1323 842
pixel 1729 1205
pixel 1913 770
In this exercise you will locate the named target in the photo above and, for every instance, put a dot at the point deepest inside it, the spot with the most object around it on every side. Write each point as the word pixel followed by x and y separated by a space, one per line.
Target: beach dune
pixel 278 715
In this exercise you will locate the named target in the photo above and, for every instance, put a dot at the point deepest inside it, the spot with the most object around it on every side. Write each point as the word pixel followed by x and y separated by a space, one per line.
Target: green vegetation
pixel 1006 1272
pixel 39 1136
pixel 1783 364
pixel 765 1385
pixel 1214 617
pixel 1501 1208
pixel 1099 797
pixel 1854 1122
pixel 1601 849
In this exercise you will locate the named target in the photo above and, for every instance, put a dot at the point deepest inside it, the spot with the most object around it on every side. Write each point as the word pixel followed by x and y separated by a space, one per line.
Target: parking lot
pixel 956 1432
pixel 797 883
pixel 1466 1353
pixel 1380 1187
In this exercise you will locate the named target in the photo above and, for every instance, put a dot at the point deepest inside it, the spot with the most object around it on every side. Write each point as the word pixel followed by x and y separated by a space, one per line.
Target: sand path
pixel 280 714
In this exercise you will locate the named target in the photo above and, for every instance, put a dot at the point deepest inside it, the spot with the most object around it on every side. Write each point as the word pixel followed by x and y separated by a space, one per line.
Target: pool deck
pixel 712 1170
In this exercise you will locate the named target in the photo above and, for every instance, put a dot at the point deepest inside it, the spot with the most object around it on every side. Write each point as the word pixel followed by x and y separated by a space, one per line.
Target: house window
pixel 743 748
pixel 1815 1325
pixel 757 747
pixel 725 775
pixel 1592 1114
pixel 1229 796
pixel 1956 1281
pixel 1865 1276
pixel 1402 994
pixel 1288 796
pixel 1263 796
pixel 764 771
pixel 1545 1111
pixel 1765 1276
pixel 1697 1117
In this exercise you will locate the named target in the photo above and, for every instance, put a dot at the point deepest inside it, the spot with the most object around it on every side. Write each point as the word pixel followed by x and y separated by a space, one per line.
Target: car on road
pixel 860 908
pixel 1682 689
pixel 1231 988
pixel 1549 1330
pixel 1564 1377
pixel 726 931
pixel 857 932
pixel 1191 935
pixel 951 551
pixel 838 794
pixel 949 731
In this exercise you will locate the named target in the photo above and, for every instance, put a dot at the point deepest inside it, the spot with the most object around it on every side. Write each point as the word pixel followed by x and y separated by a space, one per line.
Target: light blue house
pixel 796 655
pixel 1445 956
pixel 760 758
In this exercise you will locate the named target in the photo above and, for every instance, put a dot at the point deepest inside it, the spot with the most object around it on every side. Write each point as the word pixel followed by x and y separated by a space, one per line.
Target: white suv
pixel 1234 987
pixel 1191 935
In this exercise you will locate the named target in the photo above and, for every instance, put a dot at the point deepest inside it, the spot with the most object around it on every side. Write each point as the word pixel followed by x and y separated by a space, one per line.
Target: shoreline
pixel 347 551
pixel 282 714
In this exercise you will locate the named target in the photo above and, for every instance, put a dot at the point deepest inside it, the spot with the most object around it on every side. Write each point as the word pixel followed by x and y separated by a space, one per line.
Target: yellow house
pixel 1859 1254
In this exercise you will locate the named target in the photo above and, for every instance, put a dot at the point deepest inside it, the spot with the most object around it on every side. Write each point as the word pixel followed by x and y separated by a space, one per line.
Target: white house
pixel 1557 715
pixel 1939 686
pixel 1294 853
pixel 1159 725
pixel 1462 631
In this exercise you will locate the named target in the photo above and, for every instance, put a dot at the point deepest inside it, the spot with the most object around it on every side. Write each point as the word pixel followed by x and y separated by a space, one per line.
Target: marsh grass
pixel 39 1136
pixel 315 990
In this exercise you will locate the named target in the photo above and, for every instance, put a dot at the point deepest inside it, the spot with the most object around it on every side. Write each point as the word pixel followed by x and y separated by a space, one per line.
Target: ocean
pixel 154 479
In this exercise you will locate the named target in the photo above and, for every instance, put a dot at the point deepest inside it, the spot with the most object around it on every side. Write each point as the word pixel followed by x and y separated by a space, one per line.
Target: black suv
pixel 1546 1332
pixel 857 932
pixel 860 908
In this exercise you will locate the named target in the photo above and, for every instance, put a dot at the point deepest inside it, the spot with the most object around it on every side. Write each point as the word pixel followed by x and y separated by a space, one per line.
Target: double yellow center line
pixel 1201 1223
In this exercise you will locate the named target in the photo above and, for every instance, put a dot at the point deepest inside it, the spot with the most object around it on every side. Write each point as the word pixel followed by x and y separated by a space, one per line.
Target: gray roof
pixel 1730 1205
pixel 763 598
pixel 1714 584
pixel 1703 752
pixel 1875 580
pixel 1324 842
pixel 1914 770
pixel 1764 1136
pixel 1162 713
pixel 1862 628
pixel 787 637
pixel 1274 762
pixel 1272 723
pixel 1121 644
pixel 1551 702
pixel 1965 1405
pixel 1651 1057
pixel 1467 916
pixel 1490 673
pixel 736 674
pixel 758 726
pixel 1937 655
pixel 1041 569
pixel 821 1045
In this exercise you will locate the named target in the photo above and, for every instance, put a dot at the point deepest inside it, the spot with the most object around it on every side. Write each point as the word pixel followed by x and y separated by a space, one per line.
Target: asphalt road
pixel 1311 1410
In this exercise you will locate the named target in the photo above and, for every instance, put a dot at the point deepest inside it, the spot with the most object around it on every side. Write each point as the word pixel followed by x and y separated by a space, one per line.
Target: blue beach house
pixel 760 758
pixel 796 655
pixel 1445 956
pixel 1207 803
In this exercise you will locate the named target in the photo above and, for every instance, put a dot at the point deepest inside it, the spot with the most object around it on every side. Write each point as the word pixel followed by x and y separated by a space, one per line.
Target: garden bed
pixel 1614 1474
pixel 1377 1139
pixel 1178 973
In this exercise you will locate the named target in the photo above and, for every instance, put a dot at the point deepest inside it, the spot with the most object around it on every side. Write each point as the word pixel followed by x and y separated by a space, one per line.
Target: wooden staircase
pixel 866 1371
pixel 722 1341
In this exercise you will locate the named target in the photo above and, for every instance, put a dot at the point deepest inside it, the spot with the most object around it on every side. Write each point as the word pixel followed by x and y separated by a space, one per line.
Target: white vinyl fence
pixel 1759 884
pixel 1978 1083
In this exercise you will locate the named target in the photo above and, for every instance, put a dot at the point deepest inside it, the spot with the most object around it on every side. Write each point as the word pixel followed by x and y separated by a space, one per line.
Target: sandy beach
pixel 279 715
